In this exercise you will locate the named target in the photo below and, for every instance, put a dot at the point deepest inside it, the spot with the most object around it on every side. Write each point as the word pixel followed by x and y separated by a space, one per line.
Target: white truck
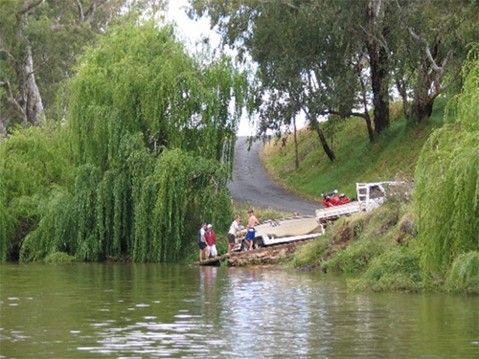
pixel 369 196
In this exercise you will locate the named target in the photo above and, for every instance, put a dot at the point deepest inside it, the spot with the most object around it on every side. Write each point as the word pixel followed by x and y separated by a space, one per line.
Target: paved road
pixel 251 183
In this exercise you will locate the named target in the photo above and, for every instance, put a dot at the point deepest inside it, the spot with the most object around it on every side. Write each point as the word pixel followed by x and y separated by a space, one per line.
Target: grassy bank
pixel 389 249
pixel 392 156
pixel 379 251
pixel 375 249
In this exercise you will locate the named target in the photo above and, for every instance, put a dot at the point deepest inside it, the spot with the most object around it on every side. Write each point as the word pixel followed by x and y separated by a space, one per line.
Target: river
pixel 155 311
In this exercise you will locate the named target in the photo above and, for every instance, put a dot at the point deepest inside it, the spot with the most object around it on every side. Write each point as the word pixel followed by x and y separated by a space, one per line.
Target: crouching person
pixel 235 228
pixel 210 237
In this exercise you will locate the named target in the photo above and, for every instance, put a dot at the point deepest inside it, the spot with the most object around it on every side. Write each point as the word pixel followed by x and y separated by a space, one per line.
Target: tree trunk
pixel 401 87
pixel 367 118
pixel 369 126
pixel 3 128
pixel 315 124
pixel 31 94
pixel 325 145
pixel 29 97
pixel 421 107
pixel 378 62
pixel 296 156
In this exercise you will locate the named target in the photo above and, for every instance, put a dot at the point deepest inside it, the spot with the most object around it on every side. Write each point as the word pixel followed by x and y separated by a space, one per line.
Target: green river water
pixel 156 311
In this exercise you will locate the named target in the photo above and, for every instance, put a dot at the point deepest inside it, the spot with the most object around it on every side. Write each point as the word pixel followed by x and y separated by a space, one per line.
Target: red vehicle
pixel 335 199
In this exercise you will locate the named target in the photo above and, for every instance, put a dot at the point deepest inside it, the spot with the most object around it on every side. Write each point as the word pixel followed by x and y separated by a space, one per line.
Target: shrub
pixel 464 273
pixel 59 257
pixel 311 254
pixel 356 257
pixel 395 269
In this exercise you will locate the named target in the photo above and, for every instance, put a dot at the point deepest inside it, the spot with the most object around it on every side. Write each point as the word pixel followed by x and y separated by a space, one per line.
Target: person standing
pixel 202 242
pixel 251 232
pixel 233 231
pixel 210 238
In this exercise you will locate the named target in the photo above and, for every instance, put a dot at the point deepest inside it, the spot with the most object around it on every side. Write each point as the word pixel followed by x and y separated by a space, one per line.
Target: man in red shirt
pixel 210 237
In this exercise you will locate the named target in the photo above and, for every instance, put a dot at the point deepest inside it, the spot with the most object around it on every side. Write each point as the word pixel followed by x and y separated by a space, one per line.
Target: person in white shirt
pixel 234 229
pixel 202 242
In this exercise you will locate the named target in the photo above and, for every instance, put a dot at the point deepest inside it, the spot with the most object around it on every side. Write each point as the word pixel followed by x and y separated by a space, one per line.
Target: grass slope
pixel 392 156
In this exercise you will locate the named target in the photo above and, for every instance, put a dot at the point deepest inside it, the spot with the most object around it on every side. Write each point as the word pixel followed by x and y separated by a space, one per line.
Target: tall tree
pixel 335 51
pixel 433 44
pixel 39 43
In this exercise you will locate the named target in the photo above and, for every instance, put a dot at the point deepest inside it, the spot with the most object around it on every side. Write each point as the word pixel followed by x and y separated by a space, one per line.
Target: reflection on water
pixel 150 311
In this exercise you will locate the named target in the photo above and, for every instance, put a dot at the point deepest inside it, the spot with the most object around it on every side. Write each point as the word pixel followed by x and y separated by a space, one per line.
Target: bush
pixel 59 257
pixel 464 273
pixel 311 253
pixel 396 269
pixel 356 257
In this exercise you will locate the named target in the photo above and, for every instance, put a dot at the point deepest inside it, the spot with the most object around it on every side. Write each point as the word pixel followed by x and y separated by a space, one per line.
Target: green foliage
pixel 356 257
pixel 396 269
pixel 56 32
pixel 6 221
pixel 181 193
pixel 311 253
pixel 447 177
pixel 55 228
pixel 34 161
pixel 59 257
pixel 464 273
pixel 140 80
pixel 142 160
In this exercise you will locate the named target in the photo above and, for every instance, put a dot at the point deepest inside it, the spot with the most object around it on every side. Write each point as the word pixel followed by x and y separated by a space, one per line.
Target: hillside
pixel 392 156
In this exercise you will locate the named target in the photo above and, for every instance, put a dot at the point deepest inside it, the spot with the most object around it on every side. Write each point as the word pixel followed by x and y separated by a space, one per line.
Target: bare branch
pixel 287 3
pixel 9 55
pixel 345 114
pixel 377 7
pixel 6 84
pixel 80 10
pixel 434 65
pixel 29 6
pixel 90 13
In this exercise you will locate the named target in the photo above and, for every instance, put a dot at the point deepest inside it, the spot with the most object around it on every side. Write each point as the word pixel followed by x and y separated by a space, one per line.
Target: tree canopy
pixel 345 58
pixel 40 41
pixel 142 159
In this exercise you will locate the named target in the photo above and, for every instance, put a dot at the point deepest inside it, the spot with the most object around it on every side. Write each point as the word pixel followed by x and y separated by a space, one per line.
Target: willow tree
pixel 447 175
pixel 150 134
pixel 33 162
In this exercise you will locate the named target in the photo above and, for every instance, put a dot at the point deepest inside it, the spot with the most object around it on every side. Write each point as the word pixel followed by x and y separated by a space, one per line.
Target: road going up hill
pixel 251 183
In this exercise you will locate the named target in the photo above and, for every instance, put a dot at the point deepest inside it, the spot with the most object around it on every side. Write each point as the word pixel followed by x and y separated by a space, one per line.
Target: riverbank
pixel 419 244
